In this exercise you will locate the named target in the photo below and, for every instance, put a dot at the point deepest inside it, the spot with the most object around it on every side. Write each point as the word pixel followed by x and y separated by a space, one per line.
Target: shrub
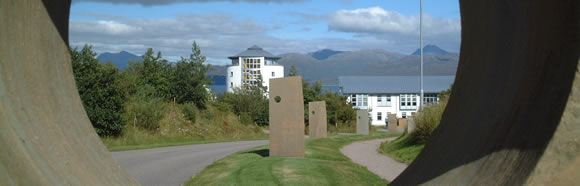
pixel 427 121
pixel 144 109
pixel 250 104
pixel 189 111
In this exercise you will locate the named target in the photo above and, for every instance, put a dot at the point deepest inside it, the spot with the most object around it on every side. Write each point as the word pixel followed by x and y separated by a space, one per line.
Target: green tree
pixel 99 89
pixel 157 72
pixel 190 82
pixel 249 103
pixel 293 71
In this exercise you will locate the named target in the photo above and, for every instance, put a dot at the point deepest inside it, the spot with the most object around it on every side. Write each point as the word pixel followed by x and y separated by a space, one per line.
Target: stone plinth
pixel 410 125
pixel 286 117
pixel 317 119
pixel 392 123
pixel 362 122
pixel 403 123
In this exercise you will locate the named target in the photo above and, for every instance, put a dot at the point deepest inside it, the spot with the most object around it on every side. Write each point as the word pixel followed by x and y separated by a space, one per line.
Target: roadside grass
pixel 323 164
pixel 211 125
pixel 406 148
pixel 401 149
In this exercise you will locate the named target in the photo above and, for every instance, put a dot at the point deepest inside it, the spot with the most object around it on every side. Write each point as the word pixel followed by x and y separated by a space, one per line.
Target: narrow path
pixel 365 153
pixel 170 166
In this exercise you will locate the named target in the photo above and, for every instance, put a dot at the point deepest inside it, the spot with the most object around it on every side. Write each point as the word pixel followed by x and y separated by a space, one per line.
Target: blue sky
pixel 226 27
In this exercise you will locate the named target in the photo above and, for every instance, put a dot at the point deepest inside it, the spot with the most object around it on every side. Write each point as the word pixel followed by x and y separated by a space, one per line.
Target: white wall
pixel 235 79
pixel 265 70
pixel 393 109
pixel 267 73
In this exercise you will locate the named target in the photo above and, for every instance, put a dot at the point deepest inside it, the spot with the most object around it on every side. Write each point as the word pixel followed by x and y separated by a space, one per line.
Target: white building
pixel 383 95
pixel 248 65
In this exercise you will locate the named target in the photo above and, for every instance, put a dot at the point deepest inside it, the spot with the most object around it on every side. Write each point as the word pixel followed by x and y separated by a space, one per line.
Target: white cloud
pixel 221 35
pixel 172 36
pixel 376 20
pixel 103 27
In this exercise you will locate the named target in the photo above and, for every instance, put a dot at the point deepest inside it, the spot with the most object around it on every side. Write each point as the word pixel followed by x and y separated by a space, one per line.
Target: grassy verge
pixel 406 148
pixel 323 164
pixel 401 149
pixel 211 125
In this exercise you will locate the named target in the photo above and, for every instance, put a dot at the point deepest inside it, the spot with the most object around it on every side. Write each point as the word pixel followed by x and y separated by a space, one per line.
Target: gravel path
pixel 365 153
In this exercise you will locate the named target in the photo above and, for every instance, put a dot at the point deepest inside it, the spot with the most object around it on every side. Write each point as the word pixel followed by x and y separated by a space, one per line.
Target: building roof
pixel 255 51
pixel 393 84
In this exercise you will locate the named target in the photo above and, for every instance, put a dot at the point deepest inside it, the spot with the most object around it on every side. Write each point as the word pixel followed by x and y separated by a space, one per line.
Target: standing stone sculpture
pixel 317 119
pixel 362 122
pixel 410 125
pixel 402 123
pixel 392 123
pixel 286 117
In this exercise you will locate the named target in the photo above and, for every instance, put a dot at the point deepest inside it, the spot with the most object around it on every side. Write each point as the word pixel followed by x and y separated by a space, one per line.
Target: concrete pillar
pixel 362 122
pixel 286 117
pixel 392 123
pixel 410 125
pixel 317 119
pixel 402 123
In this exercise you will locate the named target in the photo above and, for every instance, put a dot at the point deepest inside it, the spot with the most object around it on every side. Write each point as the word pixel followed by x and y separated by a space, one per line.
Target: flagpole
pixel 421 36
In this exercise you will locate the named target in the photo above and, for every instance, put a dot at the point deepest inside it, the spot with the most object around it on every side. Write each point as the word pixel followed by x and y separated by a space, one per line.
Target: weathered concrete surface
pixel 392 124
pixel 513 117
pixel 317 119
pixel 45 136
pixel 362 122
pixel 286 117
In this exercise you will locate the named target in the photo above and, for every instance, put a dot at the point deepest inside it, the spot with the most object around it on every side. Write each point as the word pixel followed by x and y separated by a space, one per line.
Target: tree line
pixel 136 96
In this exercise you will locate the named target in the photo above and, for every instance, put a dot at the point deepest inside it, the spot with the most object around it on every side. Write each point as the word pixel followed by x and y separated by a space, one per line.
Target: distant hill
pixel 120 59
pixel 323 54
pixel 217 70
pixel 363 62
pixel 430 50
pixel 368 63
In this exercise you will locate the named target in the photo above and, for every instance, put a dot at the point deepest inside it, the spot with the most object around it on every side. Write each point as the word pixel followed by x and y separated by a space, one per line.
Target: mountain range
pixel 120 59
pixel 430 50
pixel 376 62
pixel 326 65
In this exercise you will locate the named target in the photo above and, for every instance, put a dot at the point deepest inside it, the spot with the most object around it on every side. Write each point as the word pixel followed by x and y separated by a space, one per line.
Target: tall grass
pixel 427 121
pixel 178 128
pixel 406 148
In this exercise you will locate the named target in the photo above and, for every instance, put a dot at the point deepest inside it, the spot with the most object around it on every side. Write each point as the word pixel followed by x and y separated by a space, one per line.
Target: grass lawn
pixel 323 164
pixel 401 150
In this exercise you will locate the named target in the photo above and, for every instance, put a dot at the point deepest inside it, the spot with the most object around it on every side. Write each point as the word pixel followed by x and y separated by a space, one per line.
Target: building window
pixel 384 100
pixel 360 100
pixel 408 101
pixel 231 74
pixel 379 116
pixel 231 84
pixel 353 99
pixel 273 74
pixel 430 99
pixel 404 114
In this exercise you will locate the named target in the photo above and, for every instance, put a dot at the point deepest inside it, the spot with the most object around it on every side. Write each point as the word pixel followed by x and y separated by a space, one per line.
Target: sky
pixel 224 28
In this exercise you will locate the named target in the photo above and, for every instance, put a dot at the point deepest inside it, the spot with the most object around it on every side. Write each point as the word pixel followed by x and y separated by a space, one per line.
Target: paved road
pixel 175 165
pixel 365 153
